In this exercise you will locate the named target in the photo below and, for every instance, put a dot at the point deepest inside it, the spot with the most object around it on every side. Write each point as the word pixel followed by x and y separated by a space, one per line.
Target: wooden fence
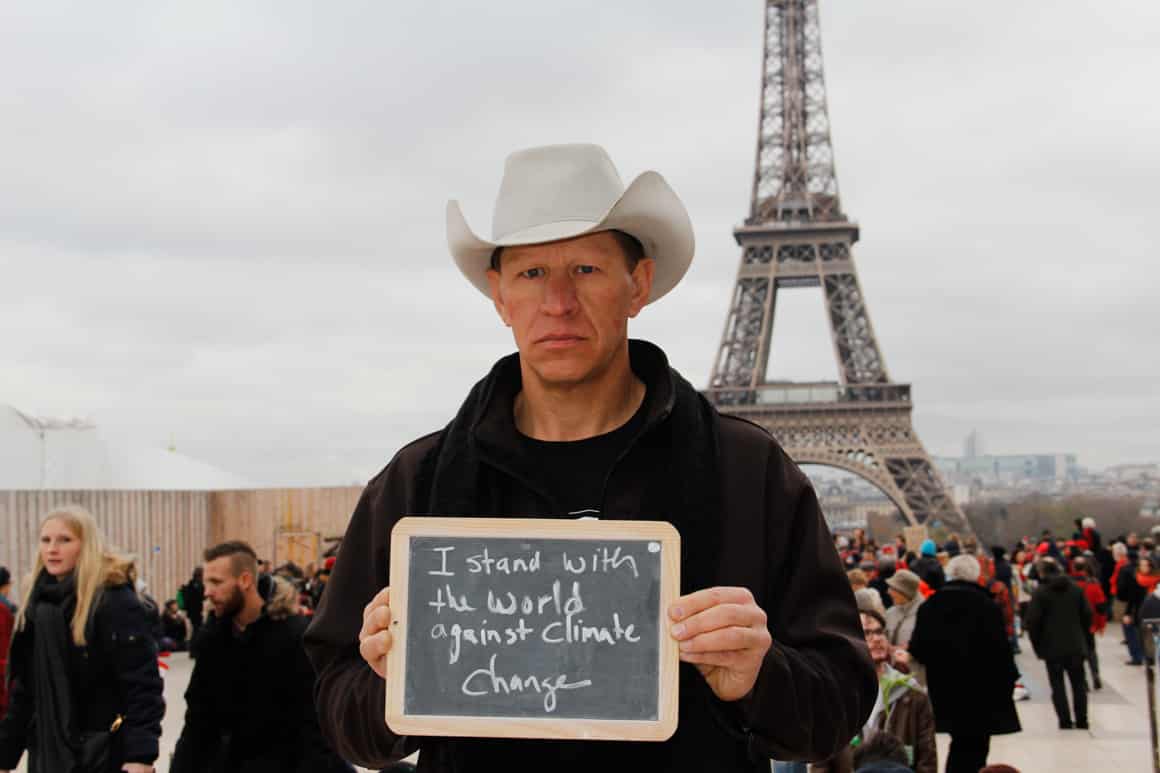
pixel 168 530
pixel 283 525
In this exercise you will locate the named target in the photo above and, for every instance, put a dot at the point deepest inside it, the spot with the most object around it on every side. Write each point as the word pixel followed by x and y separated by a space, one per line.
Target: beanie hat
pixel 905 582
pixel 928 547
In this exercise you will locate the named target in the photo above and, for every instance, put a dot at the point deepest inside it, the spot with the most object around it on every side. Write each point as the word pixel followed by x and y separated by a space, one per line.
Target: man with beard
pixel 249 705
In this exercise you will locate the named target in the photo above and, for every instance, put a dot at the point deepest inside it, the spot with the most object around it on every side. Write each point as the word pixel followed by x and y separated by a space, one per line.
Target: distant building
pixel 973 445
pixel 1129 472
pixel 1012 468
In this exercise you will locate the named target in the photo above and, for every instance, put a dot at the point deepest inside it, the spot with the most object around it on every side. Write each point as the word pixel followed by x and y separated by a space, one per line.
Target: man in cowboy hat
pixel 584 422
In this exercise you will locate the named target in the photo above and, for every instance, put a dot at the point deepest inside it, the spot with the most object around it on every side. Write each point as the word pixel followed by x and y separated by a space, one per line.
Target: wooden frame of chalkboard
pixel 419 701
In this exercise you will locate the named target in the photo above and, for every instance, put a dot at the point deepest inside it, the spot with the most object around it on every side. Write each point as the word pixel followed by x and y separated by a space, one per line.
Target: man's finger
pixel 695 602
pixel 374 648
pixel 720 616
pixel 718 659
pixel 727 639
pixel 377 620
pixel 381 598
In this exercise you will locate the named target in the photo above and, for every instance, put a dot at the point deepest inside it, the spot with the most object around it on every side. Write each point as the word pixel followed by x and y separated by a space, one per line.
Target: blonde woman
pixel 85 689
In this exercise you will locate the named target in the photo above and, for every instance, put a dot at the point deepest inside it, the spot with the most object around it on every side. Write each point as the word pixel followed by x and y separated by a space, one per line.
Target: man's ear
pixel 642 279
pixel 246 581
pixel 497 295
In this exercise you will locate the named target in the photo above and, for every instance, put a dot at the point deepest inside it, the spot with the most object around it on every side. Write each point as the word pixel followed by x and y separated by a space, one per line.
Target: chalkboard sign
pixel 533 628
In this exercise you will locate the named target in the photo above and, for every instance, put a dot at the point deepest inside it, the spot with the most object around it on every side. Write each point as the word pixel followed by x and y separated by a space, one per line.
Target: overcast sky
pixel 221 224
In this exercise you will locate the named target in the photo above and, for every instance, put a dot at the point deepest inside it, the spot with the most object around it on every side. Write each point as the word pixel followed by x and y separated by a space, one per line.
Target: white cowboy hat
pixel 562 191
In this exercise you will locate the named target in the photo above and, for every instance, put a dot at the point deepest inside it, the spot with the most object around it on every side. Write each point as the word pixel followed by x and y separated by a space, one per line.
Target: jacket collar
pixel 493 429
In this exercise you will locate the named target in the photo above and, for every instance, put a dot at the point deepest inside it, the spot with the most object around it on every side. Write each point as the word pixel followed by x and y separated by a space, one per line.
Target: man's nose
pixel 560 294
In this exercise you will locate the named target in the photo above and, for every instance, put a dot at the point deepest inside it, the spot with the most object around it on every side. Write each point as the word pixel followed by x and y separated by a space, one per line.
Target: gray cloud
pixel 222 224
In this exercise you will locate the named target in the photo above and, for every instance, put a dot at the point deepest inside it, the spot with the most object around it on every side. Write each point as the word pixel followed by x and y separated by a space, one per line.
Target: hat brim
pixel 898 586
pixel 649 210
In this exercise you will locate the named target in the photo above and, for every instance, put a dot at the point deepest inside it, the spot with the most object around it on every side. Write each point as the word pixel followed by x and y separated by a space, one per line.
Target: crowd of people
pixel 943 623
pixel 83 649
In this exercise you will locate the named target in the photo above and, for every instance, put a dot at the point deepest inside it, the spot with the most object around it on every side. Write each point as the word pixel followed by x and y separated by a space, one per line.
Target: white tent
pixel 47 454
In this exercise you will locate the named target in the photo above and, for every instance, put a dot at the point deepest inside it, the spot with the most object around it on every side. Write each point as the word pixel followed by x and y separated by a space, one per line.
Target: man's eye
pixel 586 269
pixel 532 273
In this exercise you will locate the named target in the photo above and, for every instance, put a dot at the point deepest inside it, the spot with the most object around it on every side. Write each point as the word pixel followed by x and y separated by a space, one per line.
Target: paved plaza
pixel 1118 739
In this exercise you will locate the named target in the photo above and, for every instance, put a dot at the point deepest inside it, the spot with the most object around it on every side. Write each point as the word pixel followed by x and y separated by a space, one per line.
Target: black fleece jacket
pixel 817 684
pixel 115 674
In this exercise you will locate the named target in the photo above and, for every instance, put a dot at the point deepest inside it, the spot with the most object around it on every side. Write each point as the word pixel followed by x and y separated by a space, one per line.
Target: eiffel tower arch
pixel 796 235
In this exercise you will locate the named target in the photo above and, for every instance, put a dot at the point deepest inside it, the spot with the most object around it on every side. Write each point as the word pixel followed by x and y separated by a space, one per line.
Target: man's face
pixel 225 591
pixel 568 304
pixel 875 639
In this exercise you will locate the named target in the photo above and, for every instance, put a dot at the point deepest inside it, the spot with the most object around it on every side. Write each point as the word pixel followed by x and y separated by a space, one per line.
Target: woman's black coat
pixel 116 674
pixel 961 639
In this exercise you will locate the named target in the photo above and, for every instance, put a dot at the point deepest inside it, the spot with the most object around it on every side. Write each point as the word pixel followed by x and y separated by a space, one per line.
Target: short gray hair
pixel 963 567
pixel 1119 549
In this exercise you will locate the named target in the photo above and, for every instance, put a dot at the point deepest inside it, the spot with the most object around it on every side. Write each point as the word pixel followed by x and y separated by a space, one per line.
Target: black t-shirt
pixel 573 472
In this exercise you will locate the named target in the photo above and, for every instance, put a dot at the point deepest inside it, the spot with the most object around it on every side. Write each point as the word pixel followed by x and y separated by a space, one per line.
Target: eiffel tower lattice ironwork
pixel 797 236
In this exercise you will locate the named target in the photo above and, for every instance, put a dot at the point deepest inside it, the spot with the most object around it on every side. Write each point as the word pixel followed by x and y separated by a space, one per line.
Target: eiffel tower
pixel 797 236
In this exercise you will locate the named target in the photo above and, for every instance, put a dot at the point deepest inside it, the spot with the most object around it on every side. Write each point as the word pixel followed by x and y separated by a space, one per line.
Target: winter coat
pixel 249 704
pixel 1003 571
pixel 908 716
pixel 970 671
pixel 1096 600
pixel 1001 595
pixel 772 540
pixel 7 620
pixel 1058 620
pixel 192 601
pixel 930 571
pixel 114 675
pixel 1129 591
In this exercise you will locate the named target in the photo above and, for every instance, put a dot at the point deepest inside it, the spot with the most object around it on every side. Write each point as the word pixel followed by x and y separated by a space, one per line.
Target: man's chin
pixel 562 370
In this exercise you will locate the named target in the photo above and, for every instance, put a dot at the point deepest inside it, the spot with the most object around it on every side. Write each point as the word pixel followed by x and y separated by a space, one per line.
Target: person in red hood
pixel 1085 578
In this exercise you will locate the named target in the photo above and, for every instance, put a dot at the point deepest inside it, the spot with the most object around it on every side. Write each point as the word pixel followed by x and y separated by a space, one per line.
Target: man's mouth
pixel 559 340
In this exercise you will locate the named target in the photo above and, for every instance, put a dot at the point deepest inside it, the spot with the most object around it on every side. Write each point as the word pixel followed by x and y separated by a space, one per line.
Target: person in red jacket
pixel 7 618
pixel 999 594
pixel 1086 579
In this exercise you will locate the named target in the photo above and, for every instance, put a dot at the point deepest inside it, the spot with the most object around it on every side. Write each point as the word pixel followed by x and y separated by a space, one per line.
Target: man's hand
pixel 723 632
pixel 374 640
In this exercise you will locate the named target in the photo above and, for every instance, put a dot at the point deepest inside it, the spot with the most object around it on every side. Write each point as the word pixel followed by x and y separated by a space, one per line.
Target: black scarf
pixel 679 434
pixel 50 611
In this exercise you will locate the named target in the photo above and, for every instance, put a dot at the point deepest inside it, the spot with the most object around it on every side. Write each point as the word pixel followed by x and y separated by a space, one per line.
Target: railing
pixel 810 393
